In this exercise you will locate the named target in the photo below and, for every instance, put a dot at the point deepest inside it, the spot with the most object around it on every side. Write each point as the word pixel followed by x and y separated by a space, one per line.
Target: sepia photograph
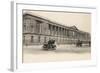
pixel 54 36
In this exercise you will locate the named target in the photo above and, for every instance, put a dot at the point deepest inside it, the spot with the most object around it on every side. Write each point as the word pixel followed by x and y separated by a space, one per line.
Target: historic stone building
pixel 37 30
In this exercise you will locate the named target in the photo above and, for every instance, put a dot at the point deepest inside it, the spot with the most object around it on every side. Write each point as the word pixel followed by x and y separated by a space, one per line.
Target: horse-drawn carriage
pixel 82 43
pixel 50 45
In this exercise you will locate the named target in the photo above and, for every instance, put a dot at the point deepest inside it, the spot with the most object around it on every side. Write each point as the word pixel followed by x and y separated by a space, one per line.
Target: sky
pixel 81 20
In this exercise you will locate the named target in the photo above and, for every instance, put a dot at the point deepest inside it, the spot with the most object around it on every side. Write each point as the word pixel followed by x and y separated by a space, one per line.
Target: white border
pixel 16 60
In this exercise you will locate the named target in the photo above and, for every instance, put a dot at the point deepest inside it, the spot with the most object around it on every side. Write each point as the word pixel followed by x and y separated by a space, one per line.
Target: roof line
pixel 70 28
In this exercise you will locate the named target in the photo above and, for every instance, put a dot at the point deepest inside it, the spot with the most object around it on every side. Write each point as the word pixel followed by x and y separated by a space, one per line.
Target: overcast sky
pixel 81 20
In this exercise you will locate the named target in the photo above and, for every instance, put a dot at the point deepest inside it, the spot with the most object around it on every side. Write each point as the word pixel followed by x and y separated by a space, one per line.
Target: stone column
pixel 54 31
pixel 51 30
pixel 58 31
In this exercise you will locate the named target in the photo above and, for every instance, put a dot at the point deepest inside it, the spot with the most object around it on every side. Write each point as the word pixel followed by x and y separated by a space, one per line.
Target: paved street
pixel 62 53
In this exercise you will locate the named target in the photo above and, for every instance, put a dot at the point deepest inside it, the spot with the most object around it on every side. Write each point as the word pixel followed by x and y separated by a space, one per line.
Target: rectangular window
pixel 38 23
pixel 45 39
pixel 39 39
pixel 27 24
pixel 32 39
pixel 24 27
pixel 23 39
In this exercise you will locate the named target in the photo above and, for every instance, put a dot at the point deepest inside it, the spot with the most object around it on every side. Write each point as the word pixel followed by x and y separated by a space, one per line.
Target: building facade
pixel 37 30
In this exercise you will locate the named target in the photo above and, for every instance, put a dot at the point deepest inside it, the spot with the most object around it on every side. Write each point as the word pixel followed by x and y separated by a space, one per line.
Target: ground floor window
pixel 23 39
pixel 45 39
pixel 39 39
pixel 32 39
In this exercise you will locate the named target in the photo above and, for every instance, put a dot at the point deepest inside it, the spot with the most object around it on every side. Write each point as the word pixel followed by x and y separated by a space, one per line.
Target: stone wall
pixel 37 30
